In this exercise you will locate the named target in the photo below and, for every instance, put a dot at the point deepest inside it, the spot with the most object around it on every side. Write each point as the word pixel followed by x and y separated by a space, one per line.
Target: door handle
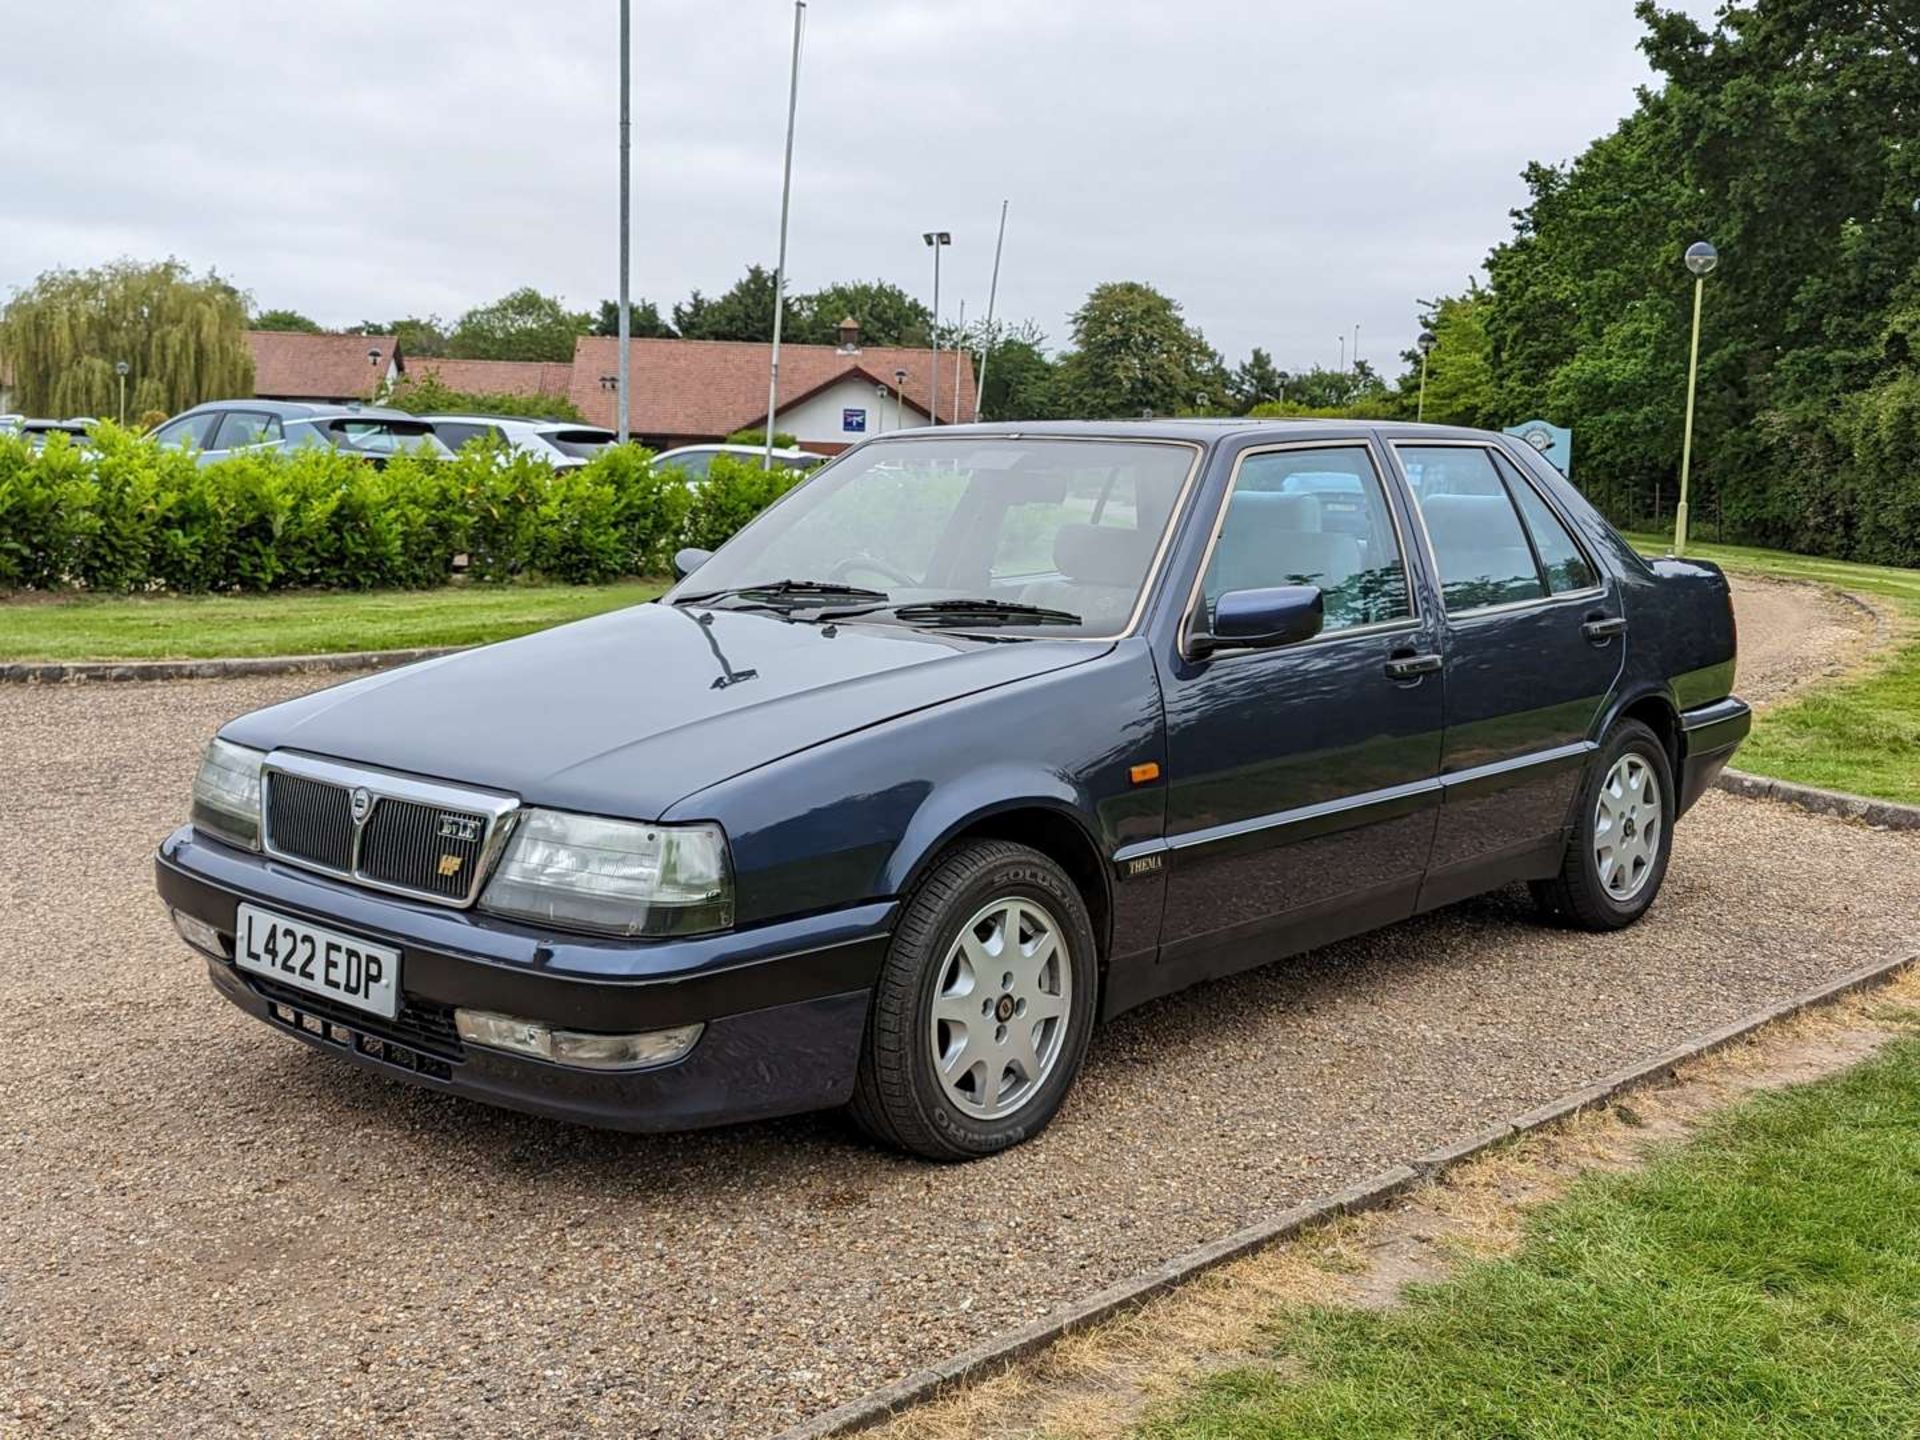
pixel 1411 667
pixel 1601 628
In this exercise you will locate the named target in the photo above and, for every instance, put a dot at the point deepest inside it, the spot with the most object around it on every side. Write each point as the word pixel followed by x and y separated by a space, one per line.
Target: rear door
pixel 1534 647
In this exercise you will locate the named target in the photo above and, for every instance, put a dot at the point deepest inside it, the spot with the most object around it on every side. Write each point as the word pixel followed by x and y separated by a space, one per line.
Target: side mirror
pixel 1260 620
pixel 686 561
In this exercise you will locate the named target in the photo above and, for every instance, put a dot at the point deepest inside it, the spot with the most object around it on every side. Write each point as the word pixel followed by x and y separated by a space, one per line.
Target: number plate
pixel 317 960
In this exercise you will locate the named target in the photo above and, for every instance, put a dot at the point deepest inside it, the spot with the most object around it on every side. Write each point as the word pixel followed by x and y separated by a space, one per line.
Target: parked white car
pixel 693 461
pixel 563 445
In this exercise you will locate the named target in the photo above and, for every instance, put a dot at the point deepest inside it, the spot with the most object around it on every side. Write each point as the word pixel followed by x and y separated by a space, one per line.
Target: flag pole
pixel 786 198
pixel 993 293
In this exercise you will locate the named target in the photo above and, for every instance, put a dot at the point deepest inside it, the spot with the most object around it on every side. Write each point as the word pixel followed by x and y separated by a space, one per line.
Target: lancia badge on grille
pixel 361 803
pixel 459 827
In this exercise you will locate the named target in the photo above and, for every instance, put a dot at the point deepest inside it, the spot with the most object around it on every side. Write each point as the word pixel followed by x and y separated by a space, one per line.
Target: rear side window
pixel 1560 556
pixel 455 433
pixel 1312 517
pixel 1483 552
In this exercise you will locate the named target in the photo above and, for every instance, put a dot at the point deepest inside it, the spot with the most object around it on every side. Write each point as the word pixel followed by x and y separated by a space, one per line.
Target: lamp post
pixel 120 369
pixel 1426 342
pixel 1701 258
pixel 899 389
pixel 623 329
pixel 938 240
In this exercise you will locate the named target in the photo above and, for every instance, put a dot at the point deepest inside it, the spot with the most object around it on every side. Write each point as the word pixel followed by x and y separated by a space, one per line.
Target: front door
pixel 1533 651
pixel 1301 781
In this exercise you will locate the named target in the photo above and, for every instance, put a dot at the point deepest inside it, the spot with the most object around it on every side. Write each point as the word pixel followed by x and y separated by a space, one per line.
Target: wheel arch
pixel 1051 823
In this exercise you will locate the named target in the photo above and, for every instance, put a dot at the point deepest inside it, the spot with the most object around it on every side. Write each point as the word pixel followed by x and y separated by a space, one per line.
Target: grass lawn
pixel 1763 1280
pixel 1860 735
pixel 303 623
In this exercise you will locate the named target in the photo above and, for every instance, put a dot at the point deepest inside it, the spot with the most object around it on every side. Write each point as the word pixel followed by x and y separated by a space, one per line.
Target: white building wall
pixel 822 419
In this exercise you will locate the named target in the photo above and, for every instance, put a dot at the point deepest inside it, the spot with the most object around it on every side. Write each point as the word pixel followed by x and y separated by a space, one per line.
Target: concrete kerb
pixel 61 672
pixel 997 1353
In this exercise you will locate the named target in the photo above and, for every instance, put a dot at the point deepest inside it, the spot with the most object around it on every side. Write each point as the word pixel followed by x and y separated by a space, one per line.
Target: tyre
pixel 1617 855
pixel 983 1009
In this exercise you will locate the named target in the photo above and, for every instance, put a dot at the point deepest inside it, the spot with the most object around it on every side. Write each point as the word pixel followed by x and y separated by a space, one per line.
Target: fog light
pixel 200 935
pixel 642 1051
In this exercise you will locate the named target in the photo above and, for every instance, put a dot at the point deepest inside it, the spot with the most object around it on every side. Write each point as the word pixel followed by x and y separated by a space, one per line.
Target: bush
pixel 127 515
pixel 735 490
pixel 425 395
pixel 781 439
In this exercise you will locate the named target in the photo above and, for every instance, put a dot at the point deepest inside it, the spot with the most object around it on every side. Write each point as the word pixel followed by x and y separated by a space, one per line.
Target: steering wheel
pixel 864 561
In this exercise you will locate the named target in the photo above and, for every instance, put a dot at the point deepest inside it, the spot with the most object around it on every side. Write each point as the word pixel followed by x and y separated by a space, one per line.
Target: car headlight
pixel 226 793
pixel 616 877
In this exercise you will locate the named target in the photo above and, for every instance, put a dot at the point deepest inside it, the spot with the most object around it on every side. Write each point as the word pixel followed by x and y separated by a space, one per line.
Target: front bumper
pixel 784 1005
pixel 1709 736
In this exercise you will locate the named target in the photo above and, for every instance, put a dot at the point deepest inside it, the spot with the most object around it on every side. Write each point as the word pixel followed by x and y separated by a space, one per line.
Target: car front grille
pixel 402 844
pixel 311 821
pixel 413 837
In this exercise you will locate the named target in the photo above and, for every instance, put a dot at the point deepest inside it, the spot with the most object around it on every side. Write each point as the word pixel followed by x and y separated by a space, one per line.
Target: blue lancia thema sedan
pixel 979 735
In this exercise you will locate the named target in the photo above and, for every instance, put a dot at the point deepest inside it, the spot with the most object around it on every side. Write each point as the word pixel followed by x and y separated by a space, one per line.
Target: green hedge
pixel 131 516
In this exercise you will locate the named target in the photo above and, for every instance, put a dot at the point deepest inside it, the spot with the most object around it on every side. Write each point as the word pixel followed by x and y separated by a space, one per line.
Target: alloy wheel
pixel 1627 827
pixel 1001 1007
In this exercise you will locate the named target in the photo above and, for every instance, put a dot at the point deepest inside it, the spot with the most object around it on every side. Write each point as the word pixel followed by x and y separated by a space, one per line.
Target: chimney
pixel 849 336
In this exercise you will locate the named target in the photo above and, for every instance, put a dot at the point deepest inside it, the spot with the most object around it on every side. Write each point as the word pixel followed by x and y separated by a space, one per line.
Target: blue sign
pixel 853 420
pixel 1550 440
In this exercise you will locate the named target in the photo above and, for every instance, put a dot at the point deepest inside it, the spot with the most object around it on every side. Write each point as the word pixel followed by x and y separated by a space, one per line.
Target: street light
pixel 938 240
pixel 1426 342
pixel 120 368
pixel 1701 259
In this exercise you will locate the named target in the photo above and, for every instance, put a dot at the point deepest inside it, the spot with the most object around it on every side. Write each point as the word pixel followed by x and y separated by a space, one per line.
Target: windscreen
pixel 1070 526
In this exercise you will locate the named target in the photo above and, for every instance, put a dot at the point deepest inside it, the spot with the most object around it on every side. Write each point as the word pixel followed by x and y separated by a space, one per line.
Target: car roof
pixel 1197 429
pixel 550 422
pixel 719 449
pixel 299 409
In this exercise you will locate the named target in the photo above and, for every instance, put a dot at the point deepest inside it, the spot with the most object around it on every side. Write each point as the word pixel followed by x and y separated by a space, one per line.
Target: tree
pixel 183 337
pixel 1358 393
pixel 887 314
pixel 1257 381
pixel 643 321
pixel 425 395
pixel 1134 354
pixel 413 335
pixel 521 325
pixel 286 320
pixel 1460 368
pixel 1021 380
pixel 744 312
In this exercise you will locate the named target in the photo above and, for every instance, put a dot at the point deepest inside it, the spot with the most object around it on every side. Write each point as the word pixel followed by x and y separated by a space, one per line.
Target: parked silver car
pixel 219 428
pixel 563 445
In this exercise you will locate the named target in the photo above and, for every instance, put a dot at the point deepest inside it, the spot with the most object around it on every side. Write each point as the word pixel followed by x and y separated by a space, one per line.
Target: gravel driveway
pixel 205 1229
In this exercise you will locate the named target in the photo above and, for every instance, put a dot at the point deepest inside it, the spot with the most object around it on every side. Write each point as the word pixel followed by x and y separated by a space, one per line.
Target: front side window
pixel 246 427
pixel 191 430
pixel 1566 566
pixel 1482 551
pixel 1069 526
pixel 1313 517
pixel 692 466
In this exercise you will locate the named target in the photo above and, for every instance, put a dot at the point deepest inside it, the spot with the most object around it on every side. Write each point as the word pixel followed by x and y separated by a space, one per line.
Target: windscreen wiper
pixel 801 592
pixel 983 612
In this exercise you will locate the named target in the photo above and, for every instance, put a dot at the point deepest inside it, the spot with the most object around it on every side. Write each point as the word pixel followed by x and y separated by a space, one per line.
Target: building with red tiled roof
pixel 493 377
pixel 327 369
pixel 688 391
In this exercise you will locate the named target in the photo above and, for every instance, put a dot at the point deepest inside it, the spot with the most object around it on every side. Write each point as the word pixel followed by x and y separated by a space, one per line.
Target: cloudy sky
pixel 1284 170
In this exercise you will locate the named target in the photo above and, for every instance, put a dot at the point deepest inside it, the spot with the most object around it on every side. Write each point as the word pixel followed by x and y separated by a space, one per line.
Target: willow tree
pixel 184 340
